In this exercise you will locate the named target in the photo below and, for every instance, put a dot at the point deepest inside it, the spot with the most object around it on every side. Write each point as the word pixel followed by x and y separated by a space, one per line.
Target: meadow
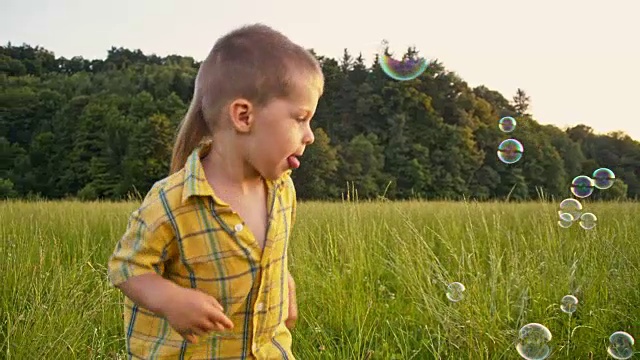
pixel 371 279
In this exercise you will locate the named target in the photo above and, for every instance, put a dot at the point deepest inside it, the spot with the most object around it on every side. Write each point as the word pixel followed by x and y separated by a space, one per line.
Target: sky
pixel 579 61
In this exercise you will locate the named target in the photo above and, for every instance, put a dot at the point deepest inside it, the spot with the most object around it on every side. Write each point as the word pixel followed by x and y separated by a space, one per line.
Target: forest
pixel 103 129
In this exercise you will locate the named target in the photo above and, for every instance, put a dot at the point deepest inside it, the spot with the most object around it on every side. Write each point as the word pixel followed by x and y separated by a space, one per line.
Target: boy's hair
pixel 254 62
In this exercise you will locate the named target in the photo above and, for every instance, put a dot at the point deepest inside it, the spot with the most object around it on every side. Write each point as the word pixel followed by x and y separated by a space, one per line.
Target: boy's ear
pixel 241 112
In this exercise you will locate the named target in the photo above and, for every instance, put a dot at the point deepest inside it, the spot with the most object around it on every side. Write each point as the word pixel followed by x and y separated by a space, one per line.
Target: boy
pixel 203 262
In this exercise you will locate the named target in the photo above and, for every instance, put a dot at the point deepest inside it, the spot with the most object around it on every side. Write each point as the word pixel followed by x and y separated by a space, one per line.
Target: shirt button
pixel 260 306
pixel 238 227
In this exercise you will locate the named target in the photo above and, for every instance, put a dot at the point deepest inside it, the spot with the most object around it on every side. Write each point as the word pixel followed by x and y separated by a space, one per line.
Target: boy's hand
pixel 193 313
pixel 293 306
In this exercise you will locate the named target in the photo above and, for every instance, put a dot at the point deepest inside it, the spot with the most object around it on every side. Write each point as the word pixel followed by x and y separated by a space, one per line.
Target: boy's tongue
pixel 294 163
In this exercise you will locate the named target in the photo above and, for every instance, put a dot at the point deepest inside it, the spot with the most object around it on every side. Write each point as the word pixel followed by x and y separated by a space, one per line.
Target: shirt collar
pixel 195 181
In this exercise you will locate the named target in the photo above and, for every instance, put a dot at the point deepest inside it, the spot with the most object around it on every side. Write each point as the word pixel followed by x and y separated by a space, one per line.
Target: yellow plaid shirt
pixel 185 233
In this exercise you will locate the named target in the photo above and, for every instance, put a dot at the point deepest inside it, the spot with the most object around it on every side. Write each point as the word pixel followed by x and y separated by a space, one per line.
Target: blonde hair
pixel 254 62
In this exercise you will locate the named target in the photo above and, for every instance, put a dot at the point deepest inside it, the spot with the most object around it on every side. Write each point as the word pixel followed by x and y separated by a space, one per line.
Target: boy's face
pixel 280 131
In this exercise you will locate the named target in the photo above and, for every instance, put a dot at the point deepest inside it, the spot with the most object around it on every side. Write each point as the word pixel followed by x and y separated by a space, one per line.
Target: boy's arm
pixel 137 263
pixel 293 306
pixel 151 291
pixel 137 267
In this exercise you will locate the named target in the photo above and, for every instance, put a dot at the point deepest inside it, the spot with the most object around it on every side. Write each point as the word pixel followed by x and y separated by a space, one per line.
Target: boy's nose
pixel 308 138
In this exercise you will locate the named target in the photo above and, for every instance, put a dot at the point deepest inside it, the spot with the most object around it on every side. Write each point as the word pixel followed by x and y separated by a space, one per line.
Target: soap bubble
pixel 533 344
pixel 507 124
pixel 571 206
pixel 569 304
pixel 510 151
pixel 603 178
pixel 620 345
pixel 588 221
pixel 409 68
pixel 455 291
pixel 566 219
pixel 582 186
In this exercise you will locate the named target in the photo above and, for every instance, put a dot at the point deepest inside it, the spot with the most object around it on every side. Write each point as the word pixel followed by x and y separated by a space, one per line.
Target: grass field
pixel 371 279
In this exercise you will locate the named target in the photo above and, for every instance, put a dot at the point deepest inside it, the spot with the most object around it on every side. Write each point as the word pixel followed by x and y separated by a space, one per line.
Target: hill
pixel 103 128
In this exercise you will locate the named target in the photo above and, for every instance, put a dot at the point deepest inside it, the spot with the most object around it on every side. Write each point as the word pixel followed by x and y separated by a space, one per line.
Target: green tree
pixel 102 128
pixel 521 102
pixel 361 163
pixel 314 178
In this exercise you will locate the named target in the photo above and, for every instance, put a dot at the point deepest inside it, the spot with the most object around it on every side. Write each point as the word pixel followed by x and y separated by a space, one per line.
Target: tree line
pixel 103 129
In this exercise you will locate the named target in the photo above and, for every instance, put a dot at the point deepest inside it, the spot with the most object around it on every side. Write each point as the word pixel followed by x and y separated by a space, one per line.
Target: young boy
pixel 203 262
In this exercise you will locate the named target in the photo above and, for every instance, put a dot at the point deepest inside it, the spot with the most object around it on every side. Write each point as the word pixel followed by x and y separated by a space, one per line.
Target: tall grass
pixel 371 279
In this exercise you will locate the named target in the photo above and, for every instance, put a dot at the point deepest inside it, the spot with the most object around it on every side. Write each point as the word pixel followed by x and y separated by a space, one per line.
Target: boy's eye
pixel 303 116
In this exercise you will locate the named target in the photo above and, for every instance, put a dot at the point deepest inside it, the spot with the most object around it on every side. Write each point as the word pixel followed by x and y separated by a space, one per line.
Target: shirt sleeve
pixel 145 246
